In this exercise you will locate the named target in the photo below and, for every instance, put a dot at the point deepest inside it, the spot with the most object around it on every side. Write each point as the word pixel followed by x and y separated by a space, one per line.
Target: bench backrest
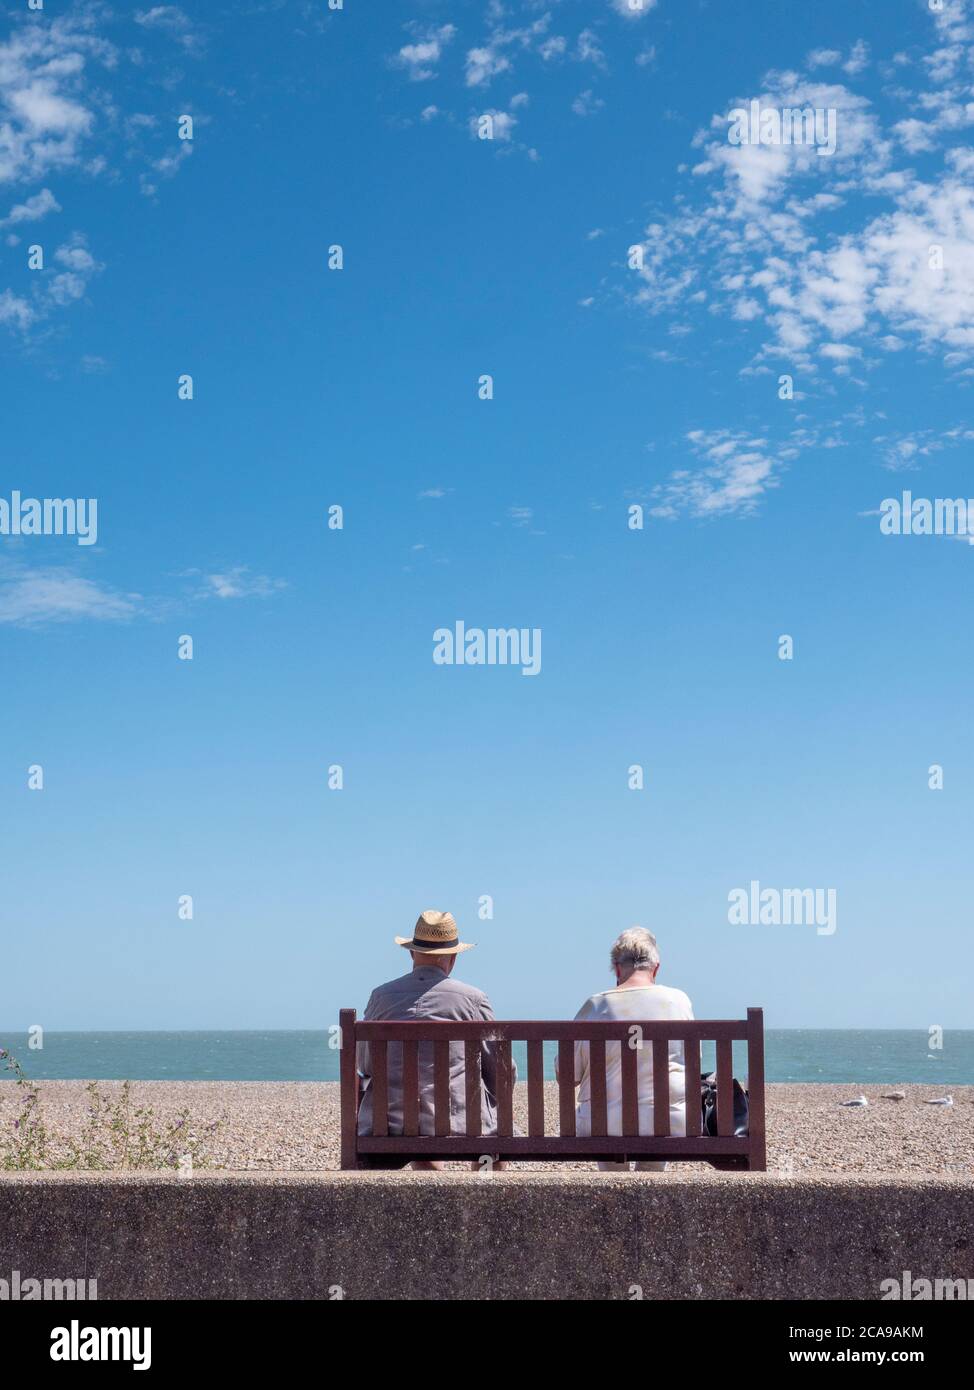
pixel 748 1150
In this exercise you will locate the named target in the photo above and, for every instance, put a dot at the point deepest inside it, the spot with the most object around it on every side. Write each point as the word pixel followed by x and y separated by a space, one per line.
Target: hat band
pixel 436 945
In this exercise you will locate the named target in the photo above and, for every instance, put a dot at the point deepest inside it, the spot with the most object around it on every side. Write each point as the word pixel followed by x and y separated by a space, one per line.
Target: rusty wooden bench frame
pixel 732 1151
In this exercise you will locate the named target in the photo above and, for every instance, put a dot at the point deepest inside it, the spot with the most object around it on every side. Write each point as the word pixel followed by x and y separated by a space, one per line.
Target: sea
pixel 855 1056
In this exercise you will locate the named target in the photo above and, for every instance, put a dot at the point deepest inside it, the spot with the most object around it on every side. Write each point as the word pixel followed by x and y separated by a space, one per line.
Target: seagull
pixel 859 1100
pixel 894 1095
pixel 941 1100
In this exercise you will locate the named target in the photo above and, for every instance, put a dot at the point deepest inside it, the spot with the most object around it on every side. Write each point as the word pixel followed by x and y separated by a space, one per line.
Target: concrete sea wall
pixel 461 1236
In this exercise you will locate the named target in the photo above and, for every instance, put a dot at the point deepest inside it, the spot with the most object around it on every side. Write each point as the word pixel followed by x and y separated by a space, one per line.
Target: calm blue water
pixel 857 1056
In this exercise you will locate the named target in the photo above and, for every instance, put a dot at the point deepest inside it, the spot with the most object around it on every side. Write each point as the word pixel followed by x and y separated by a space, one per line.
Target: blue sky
pixel 613 387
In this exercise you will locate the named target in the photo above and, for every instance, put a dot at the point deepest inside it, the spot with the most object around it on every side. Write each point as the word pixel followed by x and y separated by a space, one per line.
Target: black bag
pixel 708 1104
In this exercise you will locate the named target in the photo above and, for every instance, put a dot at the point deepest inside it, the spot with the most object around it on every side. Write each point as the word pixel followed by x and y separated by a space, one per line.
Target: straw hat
pixel 435 934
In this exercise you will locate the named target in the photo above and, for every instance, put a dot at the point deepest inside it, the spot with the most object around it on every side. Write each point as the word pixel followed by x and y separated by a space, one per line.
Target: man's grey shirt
pixel 426 993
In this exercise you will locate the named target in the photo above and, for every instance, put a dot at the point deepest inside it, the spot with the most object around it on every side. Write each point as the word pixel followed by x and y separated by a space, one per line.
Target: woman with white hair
pixel 636 996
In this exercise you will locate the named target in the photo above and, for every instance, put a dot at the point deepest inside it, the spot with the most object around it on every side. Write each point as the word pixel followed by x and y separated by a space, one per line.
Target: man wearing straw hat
pixel 428 992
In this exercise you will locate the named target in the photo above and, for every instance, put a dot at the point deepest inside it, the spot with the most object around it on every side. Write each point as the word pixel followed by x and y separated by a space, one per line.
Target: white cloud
pixel 489 59
pixel 633 9
pixel 46 109
pixel 420 58
pixel 239 583
pixel 30 596
pixel 48 594
pixel 944 63
pixel 32 209
pixel 953 27
pixel 738 470
pixel 824 58
pixel 904 452
pixel 585 104
pixel 883 275
pixel 167 166
pixel 756 174
pixel 171 20
pixel 916 136
pixel 961 161
pixel 15 311
pixel 760 248
pixel 553 47
pixel 45 113
pixel 77 266
pixel 76 256
pixel 840 352
pixel 858 58
pixel 588 50
pixel 483 64
pixel 63 282
pixel 54 101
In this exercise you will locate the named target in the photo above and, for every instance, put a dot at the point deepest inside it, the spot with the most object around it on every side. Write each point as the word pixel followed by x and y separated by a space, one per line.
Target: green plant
pixel 115 1135
pixel 27 1146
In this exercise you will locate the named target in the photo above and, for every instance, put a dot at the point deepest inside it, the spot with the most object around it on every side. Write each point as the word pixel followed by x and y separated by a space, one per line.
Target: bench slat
pixel 350 1087
pixel 725 1088
pixel 394 1030
pixel 410 1088
pixel 755 1090
pixel 691 1060
pixel 661 1086
pixel 471 1063
pixel 630 1086
pixel 441 1087
pixel 600 1105
pixel 505 1090
pixel 380 1088
pixel 566 1088
pixel 550 1145
pixel 535 1088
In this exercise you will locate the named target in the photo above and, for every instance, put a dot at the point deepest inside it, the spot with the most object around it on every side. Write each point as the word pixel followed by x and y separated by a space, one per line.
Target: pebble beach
pixel 294 1126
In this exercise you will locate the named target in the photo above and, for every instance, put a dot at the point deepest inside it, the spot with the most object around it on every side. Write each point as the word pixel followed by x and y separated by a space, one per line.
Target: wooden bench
pixel 536 1145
